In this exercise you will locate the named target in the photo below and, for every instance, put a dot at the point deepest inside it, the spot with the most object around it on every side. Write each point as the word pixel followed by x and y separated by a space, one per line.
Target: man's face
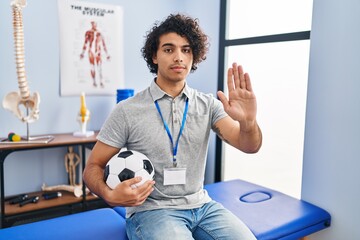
pixel 174 57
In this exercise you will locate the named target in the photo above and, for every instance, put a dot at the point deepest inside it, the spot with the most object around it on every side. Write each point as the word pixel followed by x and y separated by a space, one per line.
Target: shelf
pixel 13 214
pixel 65 199
pixel 58 141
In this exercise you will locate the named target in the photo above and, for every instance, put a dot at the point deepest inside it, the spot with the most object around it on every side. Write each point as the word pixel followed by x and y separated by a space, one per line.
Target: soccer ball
pixel 126 165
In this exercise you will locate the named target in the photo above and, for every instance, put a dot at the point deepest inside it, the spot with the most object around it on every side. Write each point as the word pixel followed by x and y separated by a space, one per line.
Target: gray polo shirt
pixel 136 124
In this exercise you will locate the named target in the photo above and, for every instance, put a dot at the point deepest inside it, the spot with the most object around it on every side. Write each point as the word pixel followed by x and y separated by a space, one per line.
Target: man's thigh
pixel 163 224
pixel 219 223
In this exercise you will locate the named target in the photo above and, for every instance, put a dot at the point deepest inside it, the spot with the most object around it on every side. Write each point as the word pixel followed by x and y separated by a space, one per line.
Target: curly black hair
pixel 184 26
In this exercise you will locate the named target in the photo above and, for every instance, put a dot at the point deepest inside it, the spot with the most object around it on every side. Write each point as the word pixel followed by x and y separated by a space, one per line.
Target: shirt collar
pixel 157 93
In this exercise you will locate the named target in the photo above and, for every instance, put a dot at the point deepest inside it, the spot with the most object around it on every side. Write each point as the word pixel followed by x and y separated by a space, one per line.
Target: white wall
pixel 26 171
pixel 331 165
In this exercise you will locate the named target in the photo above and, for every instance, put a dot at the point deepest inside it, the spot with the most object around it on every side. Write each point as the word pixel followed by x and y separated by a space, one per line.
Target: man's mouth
pixel 177 67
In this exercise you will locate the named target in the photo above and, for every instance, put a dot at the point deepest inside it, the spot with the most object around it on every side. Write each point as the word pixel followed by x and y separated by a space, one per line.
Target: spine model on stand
pixel 13 100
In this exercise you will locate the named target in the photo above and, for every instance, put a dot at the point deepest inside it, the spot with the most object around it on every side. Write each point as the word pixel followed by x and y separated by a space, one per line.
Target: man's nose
pixel 178 56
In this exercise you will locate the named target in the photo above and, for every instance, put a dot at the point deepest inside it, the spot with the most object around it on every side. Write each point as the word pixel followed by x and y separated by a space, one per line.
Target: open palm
pixel 241 105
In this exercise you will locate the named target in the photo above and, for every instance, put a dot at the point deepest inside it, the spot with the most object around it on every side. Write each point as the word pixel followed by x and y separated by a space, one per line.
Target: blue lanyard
pixel 175 147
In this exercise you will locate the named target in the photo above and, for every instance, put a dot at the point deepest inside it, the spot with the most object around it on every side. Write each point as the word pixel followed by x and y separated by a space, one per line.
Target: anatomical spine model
pixel 13 100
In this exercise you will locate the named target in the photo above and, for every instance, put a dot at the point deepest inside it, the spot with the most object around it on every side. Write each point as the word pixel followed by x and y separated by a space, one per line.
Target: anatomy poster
pixel 91 48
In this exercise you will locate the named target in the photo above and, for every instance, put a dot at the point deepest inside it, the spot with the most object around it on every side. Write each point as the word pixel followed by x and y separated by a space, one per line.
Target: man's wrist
pixel 248 126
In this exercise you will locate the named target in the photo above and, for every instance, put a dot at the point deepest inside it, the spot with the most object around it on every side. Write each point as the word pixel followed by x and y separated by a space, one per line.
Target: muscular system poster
pixel 91 48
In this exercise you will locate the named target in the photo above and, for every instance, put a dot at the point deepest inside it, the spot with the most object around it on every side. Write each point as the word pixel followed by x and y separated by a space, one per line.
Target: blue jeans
pixel 211 221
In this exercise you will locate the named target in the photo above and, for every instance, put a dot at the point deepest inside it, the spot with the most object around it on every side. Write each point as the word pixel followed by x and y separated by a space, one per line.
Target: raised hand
pixel 241 105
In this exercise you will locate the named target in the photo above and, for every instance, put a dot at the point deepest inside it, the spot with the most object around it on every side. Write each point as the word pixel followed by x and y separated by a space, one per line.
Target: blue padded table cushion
pixel 268 213
pixel 121 211
pixel 102 223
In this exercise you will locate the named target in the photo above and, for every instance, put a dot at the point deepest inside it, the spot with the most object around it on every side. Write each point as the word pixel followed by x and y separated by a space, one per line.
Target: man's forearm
pixel 93 178
pixel 250 137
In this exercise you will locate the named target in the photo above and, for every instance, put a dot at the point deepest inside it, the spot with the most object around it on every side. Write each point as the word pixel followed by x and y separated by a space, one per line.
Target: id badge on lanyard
pixel 174 175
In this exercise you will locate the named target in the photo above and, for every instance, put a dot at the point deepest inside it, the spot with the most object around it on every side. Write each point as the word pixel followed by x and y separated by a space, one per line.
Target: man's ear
pixel 154 58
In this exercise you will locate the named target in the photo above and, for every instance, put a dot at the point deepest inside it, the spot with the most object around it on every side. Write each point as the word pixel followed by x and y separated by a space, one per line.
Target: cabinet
pixel 13 214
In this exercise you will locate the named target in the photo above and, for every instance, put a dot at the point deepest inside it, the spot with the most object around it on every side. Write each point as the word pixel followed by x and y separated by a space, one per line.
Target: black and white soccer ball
pixel 126 165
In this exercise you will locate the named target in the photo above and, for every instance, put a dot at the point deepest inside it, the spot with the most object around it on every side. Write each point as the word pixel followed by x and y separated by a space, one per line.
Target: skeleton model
pixel 77 189
pixel 14 100
pixel 83 118
pixel 84 114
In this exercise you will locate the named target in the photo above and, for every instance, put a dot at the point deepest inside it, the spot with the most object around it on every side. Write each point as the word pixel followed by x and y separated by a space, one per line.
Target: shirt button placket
pixel 174 111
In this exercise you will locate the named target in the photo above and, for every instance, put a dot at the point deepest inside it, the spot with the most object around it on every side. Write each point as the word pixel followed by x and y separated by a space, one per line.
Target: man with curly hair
pixel 170 123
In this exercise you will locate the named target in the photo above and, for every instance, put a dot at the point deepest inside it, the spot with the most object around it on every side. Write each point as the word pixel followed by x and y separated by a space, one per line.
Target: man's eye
pixel 167 50
pixel 187 50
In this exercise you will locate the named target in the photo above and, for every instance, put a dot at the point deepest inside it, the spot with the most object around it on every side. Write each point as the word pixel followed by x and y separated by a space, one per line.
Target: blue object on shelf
pixel 122 94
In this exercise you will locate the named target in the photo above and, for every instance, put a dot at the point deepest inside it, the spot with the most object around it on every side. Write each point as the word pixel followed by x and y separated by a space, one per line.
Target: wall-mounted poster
pixel 91 48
